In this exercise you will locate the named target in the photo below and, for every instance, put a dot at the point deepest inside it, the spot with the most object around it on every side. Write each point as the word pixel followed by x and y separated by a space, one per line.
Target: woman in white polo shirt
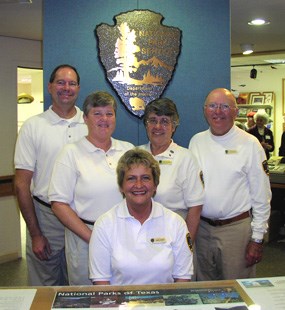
pixel 83 184
pixel 180 189
pixel 139 241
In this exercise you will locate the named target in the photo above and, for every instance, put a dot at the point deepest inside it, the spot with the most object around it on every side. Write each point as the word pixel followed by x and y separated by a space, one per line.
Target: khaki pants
pixel 221 251
pixel 52 272
pixel 77 257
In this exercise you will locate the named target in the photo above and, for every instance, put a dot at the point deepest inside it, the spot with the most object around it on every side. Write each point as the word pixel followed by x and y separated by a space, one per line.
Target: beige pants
pixel 221 251
pixel 77 257
pixel 53 271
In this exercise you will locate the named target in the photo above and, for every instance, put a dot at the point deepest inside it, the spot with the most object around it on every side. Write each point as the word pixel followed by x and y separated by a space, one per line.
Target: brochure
pixel 199 298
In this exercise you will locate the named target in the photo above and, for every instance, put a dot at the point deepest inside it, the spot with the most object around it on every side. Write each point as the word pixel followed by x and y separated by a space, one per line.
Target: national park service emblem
pixel 139 56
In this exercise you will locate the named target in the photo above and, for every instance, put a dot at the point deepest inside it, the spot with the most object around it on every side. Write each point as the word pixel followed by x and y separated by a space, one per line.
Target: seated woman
pixel 139 241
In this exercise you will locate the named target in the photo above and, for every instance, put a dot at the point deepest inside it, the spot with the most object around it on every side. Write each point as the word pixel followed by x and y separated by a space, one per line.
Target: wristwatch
pixel 260 241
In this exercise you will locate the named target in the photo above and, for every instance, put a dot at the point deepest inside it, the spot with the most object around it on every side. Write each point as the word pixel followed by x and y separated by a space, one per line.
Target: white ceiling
pixel 24 20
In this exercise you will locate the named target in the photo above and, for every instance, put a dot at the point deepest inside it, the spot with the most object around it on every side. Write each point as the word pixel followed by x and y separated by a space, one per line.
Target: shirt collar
pixel 123 210
pixel 55 118
pixel 115 146
pixel 226 136
pixel 168 153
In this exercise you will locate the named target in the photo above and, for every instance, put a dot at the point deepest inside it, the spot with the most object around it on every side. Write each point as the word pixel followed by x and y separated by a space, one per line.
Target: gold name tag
pixel 158 240
pixel 230 151
pixel 165 162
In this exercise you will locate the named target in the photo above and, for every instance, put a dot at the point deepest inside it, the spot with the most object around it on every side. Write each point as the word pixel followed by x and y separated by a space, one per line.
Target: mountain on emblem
pixel 139 56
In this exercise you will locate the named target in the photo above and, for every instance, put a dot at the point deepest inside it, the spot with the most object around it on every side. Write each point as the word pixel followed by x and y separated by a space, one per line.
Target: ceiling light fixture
pixel 253 73
pixel 258 22
pixel 246 48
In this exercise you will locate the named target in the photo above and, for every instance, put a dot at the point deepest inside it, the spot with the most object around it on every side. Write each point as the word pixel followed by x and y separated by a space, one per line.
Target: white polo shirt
pixel 124 251
pixel 40 140
pixel 180 186
pixel 84 177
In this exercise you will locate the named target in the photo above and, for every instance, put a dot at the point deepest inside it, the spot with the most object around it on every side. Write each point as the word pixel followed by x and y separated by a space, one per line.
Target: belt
pixel 42 202
pixel 239 217
pixel 87 222
pixel 49 206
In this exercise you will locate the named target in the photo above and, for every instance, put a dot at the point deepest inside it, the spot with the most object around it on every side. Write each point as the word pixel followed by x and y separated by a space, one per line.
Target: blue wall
pixel 203 64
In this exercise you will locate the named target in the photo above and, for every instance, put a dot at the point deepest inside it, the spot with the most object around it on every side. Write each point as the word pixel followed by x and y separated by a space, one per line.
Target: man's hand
pixel 254 252
pixel 41 247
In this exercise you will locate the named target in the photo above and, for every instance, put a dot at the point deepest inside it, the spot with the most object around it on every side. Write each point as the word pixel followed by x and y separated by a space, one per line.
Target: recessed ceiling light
pixel 246 48
pixel 258 22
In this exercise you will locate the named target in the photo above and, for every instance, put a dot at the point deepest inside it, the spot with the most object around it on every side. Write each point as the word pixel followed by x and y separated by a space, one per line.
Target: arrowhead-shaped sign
pixel 139 56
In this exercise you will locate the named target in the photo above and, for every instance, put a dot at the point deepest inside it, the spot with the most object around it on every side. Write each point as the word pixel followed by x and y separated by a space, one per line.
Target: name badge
pixel 267 137
pixel 158 240
pixel 165 162
pixel 230 151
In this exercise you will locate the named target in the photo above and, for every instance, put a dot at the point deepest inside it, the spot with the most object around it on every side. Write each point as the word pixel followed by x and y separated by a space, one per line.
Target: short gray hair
pixel 98 99
pixel 263 115
pixel 160 107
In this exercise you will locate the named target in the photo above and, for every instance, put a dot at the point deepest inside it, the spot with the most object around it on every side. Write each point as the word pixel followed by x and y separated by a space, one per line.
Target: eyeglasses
pixel 214 106
pixel 62 83
pixel 164 122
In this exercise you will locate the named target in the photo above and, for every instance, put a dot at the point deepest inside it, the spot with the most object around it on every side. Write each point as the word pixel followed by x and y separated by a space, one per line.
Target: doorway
pixel 30 103
pixel 30 93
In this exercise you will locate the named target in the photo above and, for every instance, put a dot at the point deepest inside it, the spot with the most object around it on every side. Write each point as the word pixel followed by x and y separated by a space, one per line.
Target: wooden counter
pixel 45 295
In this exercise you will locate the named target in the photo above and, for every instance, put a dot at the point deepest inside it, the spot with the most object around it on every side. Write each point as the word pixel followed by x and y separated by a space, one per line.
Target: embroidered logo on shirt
pixel 189 242
pixel 202 178
pixel 158 240
pixel 265 167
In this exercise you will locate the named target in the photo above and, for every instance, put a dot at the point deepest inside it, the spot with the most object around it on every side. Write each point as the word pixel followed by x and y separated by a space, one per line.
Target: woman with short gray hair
pixel 83 184
pixel 181 185
pixel 262 133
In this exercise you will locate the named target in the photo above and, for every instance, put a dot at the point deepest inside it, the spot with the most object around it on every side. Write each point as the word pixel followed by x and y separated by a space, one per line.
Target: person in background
pixel 83 184
pixel 250 120
pixel 262 133
pixel 278 195
pixel 235 213
pixel 139 241
pixel 181 188
pixel 282 145
pixel 40 140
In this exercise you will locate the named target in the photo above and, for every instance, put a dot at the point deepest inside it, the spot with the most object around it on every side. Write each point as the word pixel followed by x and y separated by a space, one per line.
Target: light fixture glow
pixel 258 22
pixel 246 49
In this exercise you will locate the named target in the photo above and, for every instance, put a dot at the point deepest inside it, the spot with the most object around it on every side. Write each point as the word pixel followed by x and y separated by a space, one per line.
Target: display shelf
pixel 255 106
pixel 245 108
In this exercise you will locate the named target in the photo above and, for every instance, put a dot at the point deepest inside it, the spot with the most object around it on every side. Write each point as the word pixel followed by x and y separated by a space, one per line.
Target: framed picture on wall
pixel 242 98
pixel 257 99
pixel 269 97
pixel 242 112
pixel 250 97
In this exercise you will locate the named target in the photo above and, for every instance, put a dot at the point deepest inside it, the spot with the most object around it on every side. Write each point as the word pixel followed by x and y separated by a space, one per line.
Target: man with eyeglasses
pixel 234 217
pixel 40 140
